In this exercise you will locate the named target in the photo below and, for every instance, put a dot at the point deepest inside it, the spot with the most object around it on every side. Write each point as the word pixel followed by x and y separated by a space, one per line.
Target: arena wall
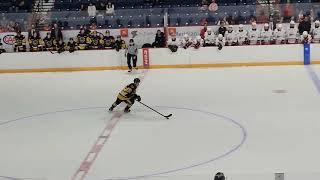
pixel 158 58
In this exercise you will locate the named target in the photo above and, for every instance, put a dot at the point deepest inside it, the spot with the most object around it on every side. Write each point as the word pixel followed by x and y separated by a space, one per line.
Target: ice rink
pixel 248 122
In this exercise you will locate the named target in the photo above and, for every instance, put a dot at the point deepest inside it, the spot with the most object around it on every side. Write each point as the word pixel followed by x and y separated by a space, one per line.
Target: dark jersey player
pixel 128 95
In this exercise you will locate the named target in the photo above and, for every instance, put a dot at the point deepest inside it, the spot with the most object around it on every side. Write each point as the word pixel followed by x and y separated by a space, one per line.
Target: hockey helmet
pixel 136 80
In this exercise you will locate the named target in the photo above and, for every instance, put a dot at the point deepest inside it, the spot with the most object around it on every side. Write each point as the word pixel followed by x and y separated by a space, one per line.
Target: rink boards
pixel 205 57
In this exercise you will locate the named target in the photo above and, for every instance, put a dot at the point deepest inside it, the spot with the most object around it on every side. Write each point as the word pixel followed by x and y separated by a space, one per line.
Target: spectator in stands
pixel 110 9
pixel 204 5
pixel 222 29
pixel 239 19
pixel 33 31
pixel 92 11
pixel 229 19
pixel 304 25
pixel 101 6
pixel 56 32
pixel 160 40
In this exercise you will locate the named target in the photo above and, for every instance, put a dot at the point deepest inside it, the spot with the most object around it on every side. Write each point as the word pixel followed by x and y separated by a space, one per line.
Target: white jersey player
pixel 230 36
pixel 173 41
pixel 292 33
pixel 279 35
pixel 220 41
pixel 197 42
pixel 173 44
pixel 241 35
pixel 305 38
pixel 209 38
pixel 186 42
pixel 253 34
pixel 316 32
pixel 266 34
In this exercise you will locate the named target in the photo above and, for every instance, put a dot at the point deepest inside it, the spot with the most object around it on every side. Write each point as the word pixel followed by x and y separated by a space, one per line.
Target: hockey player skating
pixel 316 32
pixel 127 95
pixel 279 35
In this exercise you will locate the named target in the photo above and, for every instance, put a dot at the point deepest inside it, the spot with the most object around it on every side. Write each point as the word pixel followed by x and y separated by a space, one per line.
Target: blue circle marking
pixel 229 120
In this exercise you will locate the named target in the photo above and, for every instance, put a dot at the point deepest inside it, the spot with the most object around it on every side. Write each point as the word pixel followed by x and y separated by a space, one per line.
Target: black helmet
pixel 136 80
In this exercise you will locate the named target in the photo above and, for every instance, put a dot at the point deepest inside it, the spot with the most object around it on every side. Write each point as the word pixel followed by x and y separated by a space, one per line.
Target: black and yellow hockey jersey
pixel 128 92
pixel 20 40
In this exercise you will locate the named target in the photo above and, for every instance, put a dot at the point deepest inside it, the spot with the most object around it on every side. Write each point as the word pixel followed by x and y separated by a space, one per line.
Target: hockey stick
pixel 166 116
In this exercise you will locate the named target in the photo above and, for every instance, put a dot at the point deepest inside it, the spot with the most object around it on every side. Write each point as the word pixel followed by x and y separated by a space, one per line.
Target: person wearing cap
pixel 316 32
pixel 241 35
pixel 279 35
pixel 231 38
pixel 266 34
pixel 292 33
pixel 131 53
pixel 119 43
pixel 209 38
pixel 253 34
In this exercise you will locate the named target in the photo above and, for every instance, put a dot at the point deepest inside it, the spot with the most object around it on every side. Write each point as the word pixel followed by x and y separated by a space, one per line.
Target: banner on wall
pixel 8 40
pixel 145 57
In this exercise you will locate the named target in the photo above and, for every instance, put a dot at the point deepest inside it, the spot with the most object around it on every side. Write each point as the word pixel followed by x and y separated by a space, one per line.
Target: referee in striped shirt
pixel 131 53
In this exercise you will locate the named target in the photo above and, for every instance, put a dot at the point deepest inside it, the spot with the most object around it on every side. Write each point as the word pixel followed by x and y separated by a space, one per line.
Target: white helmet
pixel 240 26
pixel 266 25
pixel 220 36
pixel 317 22
pixel 209 29
pixel 279 26
pixel 292 22
pixel 305 33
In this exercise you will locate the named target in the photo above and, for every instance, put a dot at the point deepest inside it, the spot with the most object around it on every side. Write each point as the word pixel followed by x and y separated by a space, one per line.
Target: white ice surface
pixel 283 130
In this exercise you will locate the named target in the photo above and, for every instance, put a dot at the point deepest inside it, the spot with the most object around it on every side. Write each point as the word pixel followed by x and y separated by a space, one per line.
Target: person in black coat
pixel 160 40
pixel 305 25
pixel 56 32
